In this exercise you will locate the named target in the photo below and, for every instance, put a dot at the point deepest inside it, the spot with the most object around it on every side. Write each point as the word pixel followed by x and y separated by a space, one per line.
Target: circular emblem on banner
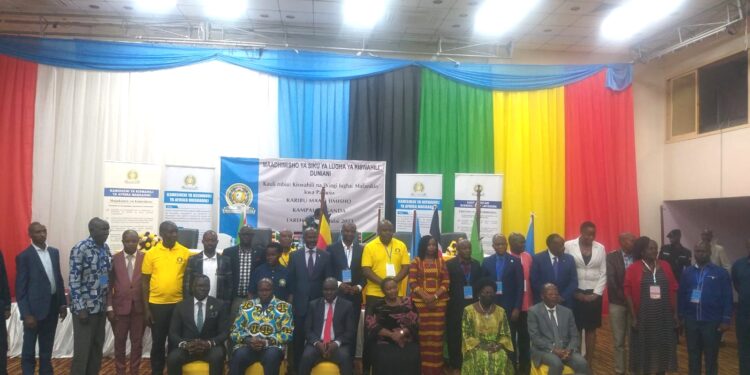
pixel 418 187
pixel 190 180
pixel 238 194
pixel 132 177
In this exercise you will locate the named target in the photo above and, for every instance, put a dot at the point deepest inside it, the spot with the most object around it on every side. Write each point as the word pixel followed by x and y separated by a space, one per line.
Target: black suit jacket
pixel 338 256
pixel 223 276
pixel 33 289
pixel 512 278
pixel 457 301
pixel 343 321
pixel 4 288
pixel 233 253
pixel 215 324
pixel 304 287
pixel 616 278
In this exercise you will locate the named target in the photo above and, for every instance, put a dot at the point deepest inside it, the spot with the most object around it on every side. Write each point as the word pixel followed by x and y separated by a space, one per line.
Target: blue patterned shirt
pixel 89 277
pixel 273 323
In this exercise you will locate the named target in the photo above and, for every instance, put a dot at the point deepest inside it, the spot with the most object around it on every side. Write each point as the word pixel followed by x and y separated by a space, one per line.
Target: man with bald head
pixel 619 319
pixel 382 257
pixel 347 267
pixel 244 260
pixel 217 267
pixel 718 255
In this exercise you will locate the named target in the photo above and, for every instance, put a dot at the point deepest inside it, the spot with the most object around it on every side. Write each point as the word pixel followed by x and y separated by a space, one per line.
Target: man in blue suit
pixel 308 268
pixel 555 267
pixel 507 273
pixel 40 294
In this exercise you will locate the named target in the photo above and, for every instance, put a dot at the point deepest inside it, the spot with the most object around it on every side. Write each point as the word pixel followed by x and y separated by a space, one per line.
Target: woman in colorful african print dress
pixel 486 335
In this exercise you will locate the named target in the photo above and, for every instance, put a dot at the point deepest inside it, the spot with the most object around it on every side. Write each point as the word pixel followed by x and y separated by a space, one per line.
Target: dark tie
pixel 199 320
pixel 555 267
pixel 310 262
pixel 555 328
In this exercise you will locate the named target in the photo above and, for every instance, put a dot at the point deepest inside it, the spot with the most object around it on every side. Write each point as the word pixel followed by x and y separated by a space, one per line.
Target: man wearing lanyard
pixel 705 307
pixel 347 268
pixel 382 257
pixel 464 273
pixel 506 272
pixel 521 337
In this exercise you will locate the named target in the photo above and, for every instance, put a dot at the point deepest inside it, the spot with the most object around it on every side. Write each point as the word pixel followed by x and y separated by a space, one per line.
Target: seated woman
pixel 392 327
pixel 486 335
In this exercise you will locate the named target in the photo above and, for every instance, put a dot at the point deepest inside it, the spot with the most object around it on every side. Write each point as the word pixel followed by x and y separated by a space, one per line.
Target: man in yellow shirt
pixel 162 272
pixel 384 256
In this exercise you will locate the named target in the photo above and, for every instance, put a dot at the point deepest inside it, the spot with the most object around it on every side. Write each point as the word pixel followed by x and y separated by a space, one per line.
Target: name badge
pixel 695 296
pixel 346 276
pixel 103 280
pixel 654 292
pixel 499 285
pixel 390 270
pixel 468 292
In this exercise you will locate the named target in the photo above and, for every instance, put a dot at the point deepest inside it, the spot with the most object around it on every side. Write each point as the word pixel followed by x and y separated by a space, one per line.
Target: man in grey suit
pixel 554 335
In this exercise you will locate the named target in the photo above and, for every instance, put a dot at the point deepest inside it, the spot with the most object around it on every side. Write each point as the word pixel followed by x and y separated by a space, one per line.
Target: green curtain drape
pixel 455 133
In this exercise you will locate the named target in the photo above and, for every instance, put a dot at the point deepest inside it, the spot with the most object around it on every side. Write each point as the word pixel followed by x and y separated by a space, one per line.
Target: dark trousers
pixel 270 358
pixel 703 340
pixel 453 334
pixel 3 349
pixel 179 357
pixel 298 341
pixel 162 315
pixel 356 301
pixel 311 357
pixel 123 326
pixel 88 341
pixel 743 342
pixel 45 333
pixel 366 355
pixel 519 332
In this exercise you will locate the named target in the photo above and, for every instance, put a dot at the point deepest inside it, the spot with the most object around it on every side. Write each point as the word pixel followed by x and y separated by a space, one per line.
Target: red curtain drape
pixel 600 160
pixel 17 97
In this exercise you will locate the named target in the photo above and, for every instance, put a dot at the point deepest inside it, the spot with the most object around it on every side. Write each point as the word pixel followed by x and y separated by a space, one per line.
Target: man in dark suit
pixel 347 268
pixel 40 293
pixel 244 259
pixel 556 267
pixel 554 335
pixel 464 273
pixel 5 307
pixel 507 273
pixel 619 318
pixel 199 327
pixel 330 331
pixel 217 267
pixel 308 267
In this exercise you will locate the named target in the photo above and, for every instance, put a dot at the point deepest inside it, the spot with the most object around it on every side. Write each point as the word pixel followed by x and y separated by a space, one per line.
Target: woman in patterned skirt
pixel 429 282
pixel 650 290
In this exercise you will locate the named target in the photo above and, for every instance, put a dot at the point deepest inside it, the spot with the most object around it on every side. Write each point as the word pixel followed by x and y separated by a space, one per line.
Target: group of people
pixel 263 304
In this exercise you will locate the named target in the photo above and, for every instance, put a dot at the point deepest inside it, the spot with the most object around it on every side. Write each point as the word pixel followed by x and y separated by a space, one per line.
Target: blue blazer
pixel 512 278
pixel 303 287
pixel 33 289
pixel 567 279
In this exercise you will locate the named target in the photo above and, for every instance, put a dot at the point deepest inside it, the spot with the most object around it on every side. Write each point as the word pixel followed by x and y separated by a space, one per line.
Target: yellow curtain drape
pixel 529 145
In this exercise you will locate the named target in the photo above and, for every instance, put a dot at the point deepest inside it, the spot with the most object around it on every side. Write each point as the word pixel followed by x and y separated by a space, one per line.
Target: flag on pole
pixel 415 237
pixel 530 236
pixel 435 229
pixel 324 230
pixel 243 223
pixel 476 242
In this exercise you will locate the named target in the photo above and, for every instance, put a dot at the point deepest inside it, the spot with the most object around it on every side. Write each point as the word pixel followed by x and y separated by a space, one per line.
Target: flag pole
pixel 478 213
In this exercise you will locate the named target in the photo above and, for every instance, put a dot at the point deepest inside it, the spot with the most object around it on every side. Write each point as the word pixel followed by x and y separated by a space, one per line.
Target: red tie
pixel 329 323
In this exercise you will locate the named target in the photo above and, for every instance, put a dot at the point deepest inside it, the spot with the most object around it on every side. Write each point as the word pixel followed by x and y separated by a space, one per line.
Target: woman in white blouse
pixel 591 264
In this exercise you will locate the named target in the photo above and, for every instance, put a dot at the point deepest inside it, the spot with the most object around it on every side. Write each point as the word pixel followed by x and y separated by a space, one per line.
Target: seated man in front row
pixel 329 328
pixel 198 330
pixel 262 329
pixel 554 335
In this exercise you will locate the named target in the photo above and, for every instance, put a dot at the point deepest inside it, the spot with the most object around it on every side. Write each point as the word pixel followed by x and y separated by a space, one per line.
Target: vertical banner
pixel 420 192
pixel 131 199
pixel 189 197
pixel 490 190
pixel 281 193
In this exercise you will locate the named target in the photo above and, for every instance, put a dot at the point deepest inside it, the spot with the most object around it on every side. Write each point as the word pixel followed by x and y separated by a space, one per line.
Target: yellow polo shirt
pixel 376 255
pixel 166 267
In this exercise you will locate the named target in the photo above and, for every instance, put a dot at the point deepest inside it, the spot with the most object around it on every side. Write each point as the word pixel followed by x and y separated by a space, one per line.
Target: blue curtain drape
pixel 117 56
pixel 313 119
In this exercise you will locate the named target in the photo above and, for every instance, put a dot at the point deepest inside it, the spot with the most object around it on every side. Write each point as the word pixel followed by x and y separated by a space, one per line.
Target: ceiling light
pixel 496 17
pixel 224 9
pixel 634 16
pixel 155 6
pixel 363 14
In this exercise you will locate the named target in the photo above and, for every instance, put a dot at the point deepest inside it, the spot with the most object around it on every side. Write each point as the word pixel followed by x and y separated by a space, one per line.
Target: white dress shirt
pixel 47 263
pixel 348 252
pixel 593 275
pixel 209 269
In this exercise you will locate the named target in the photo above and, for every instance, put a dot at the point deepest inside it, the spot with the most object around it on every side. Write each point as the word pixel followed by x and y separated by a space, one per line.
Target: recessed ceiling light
pixel 225 9
pixel 155 6
pixel 496 17
pixel 92 6
pixel 634 16
pixel 363 14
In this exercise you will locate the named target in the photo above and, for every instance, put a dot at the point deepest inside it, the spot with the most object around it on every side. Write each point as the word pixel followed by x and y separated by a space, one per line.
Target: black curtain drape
pixel 384 124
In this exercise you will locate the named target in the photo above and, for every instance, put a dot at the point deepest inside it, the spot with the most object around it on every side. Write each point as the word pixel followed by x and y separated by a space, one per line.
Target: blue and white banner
pixel 490 190
pixel 189 197
pixel 420 192
pixel 281 193
pixel 131 199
